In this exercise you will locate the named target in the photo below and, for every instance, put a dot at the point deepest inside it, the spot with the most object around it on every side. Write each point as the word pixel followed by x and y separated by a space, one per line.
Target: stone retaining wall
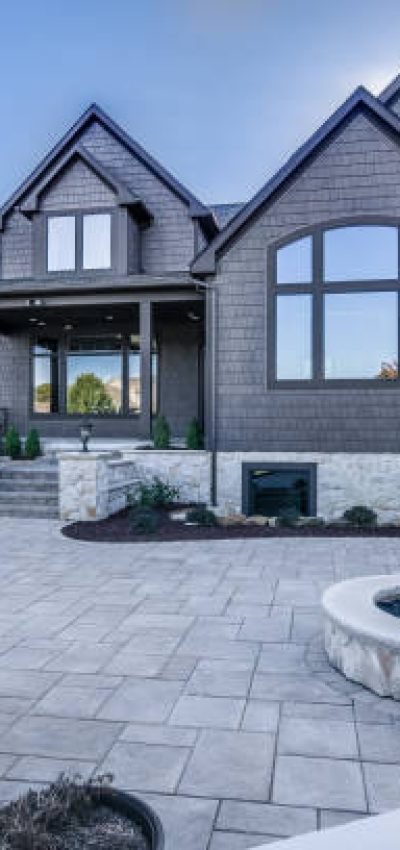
pixel 343 480
pixel 190 471
pixel 94 485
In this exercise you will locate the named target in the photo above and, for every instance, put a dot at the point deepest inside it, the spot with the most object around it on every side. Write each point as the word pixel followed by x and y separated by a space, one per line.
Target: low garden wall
pixel 94 485
pixel 190 471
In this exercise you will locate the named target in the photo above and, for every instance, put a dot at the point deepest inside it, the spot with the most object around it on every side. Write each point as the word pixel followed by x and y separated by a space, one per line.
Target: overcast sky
pixel 220 91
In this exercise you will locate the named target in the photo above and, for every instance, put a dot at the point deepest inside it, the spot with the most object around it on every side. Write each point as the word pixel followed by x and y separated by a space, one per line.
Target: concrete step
pixel 29 511
pixel 28 498
pixel 28 485
pixel 8 473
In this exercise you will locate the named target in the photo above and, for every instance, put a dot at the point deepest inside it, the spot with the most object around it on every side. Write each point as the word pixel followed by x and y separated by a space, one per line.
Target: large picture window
pixel 334 299
pixel 94 376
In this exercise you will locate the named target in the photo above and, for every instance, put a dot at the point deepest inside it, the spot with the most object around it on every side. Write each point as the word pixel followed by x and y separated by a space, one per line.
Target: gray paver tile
pixel 311 737
pixel 83 658
pixel 217 712
pixel 11 789
pixel 127 663
pixel 145 767
pixel 221 678
pixel 330 818
pixel 383 786
pixel 6 761
pixel 239 840
pixel 230 764
pixel 260 716
pixel 36 769
pixel 294 689
pixel 265 818
pixel 170 736
pixel 319 711
pixel 274 629
pixel 184 816
pixel 144 700
pixel 318 782
pixel 64 701
pixel 25 658
pixel 379 743
pixel 25 683
pixel 59 737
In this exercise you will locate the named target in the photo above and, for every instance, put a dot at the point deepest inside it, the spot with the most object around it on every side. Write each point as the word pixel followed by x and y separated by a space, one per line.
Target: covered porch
pixel 120 358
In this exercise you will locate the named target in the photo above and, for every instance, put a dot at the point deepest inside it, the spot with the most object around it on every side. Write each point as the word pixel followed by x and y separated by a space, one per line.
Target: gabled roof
pixel 197 210
pixel 361 99
pixel 389 92
pixel 124 196
pixel 224 212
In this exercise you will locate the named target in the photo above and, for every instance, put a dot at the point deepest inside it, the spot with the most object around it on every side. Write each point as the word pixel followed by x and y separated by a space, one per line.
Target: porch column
pixel 145 365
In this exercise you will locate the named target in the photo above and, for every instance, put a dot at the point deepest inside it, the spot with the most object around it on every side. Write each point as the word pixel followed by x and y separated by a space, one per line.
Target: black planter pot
pixel 135 810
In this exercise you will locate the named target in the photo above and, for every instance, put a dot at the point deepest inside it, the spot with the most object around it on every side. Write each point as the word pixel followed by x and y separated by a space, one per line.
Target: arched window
pixel 334 298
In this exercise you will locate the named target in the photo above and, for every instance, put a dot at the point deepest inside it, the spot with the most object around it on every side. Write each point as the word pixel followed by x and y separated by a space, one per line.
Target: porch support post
pixel 145 365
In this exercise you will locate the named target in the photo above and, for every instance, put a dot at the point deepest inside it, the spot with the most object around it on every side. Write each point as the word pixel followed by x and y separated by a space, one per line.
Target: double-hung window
pixel 334 299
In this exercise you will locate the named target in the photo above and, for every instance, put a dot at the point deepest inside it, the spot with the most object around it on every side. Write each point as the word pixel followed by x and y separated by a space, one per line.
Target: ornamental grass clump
pixel 161 433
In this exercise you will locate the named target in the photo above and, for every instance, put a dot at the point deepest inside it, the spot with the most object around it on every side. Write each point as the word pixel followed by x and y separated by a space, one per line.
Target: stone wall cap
pixel 351 605
pixel 86 456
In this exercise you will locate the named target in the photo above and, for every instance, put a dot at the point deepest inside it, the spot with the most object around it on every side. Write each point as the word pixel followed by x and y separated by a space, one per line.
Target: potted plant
pixel 72 813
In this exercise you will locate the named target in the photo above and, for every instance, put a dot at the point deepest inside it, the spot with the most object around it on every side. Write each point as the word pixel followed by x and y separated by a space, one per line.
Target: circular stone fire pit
pixel 362 631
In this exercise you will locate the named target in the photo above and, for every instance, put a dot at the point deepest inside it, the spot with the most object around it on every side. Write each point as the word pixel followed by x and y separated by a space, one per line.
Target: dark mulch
pixel 117 529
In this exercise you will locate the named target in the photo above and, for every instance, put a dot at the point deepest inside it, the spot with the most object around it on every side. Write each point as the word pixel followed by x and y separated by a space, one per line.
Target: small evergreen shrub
pixel 12 443
pixel 194 435
pixel 161 433
pixel 201 516
pixel 361 516
pixel 143 519
pixel 157 494
pixel 32 445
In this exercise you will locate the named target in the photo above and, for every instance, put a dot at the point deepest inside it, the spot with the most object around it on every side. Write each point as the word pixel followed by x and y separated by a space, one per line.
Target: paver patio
pixel 196 674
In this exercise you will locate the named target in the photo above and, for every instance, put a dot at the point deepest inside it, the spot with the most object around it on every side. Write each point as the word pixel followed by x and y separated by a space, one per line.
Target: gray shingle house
pixel 275 323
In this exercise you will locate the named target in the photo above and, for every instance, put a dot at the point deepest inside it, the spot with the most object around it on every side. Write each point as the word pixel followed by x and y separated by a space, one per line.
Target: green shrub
pixel 143 519
pixel 361 516
pixel 201 516
pixel 288 520
pixel 32 445
pixel 157 494
pixel 12 443
pixel 194 435
pixel 161 433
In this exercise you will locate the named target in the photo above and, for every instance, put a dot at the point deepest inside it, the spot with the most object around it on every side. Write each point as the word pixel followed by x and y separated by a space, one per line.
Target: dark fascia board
pixel 95 113
pixel 390 91
pixel 124 196
pixel 205 262
pixel 44 289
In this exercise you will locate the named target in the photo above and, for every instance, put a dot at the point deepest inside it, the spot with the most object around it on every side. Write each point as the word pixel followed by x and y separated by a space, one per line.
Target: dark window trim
pixel 62 355
pixel 248 468
pixel 79 214
pixel 317 289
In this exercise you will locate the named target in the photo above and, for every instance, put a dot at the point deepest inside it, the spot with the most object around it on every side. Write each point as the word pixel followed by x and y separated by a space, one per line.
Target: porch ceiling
pixel 100 318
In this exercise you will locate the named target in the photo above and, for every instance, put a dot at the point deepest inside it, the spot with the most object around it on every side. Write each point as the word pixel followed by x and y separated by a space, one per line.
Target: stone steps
pixel 29 490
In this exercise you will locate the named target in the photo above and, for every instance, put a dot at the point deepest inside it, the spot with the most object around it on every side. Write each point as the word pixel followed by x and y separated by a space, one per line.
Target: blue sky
pixel 221 91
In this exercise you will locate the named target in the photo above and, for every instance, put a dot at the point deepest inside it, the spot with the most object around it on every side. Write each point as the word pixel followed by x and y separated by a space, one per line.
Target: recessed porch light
pixel 194 317
pixel 33 320
pixel 109 318
pixel 42 324
pixel 68 327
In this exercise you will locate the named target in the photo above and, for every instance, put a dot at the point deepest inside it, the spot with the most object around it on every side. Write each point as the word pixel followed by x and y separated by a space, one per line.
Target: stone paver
pixel 196 674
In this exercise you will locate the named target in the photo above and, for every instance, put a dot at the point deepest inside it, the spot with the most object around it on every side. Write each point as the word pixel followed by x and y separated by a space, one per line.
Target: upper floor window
pixel 61 252
pixel 361 252
pixel 79 242
pixel 335 302
pixel 97 241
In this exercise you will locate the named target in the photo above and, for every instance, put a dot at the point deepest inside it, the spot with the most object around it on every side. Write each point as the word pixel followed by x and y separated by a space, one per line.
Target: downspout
pixel 212 391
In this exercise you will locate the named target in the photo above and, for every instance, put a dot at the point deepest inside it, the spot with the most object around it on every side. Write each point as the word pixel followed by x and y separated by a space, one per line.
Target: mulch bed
pixel 117 529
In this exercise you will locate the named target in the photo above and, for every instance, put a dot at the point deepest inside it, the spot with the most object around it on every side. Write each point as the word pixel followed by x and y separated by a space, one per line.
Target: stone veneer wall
pixel 94 485
pixel 188 470
pixel 343 480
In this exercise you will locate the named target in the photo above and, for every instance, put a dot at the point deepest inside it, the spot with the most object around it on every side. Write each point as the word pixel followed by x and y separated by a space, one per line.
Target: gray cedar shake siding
pixel 167 249
pixel 357 174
